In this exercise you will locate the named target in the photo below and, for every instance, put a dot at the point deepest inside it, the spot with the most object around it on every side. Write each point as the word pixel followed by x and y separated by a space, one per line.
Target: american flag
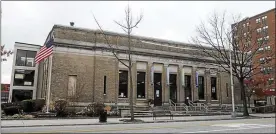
pixel 45 51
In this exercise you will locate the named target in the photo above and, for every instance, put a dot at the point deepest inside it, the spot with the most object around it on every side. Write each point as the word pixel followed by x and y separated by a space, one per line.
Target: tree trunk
pixel 245 110
pixel 131 95
pixel 249 101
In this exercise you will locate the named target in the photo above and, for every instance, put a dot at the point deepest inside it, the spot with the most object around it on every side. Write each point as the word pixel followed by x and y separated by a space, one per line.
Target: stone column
pixel 165 87
pixel 134 77
pixel 193 84
pixel 180 88
pixel 116 70
pixel 207 92
pixel 219 93
pixel 150 87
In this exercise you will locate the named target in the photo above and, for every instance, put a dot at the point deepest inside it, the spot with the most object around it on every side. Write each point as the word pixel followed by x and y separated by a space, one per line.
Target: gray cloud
pixel 30 21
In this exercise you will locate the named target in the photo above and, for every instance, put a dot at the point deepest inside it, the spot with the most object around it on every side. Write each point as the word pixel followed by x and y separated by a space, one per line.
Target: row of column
pixel 149 93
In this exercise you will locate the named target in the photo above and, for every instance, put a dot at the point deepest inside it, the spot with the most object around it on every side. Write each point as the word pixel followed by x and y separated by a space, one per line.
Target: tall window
pixel 141 89
pixel 72 85
pixel 173 87
pixel 214 88
pixel 104 84
pixel 23 77
pixel 123 84
pixel 25 58
pixel 227 89
pixel 201 87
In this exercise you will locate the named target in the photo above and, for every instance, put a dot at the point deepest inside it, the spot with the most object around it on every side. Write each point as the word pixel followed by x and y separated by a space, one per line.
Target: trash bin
pixel 103 116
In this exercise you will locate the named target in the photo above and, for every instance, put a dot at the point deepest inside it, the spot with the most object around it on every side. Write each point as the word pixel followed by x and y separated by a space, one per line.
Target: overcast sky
pixel 31 21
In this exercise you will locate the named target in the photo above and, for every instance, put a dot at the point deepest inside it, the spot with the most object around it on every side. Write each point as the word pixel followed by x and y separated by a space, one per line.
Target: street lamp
pixel 233 114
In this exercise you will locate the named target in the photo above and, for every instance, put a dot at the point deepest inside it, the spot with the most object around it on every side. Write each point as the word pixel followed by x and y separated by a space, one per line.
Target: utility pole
pixel 232 85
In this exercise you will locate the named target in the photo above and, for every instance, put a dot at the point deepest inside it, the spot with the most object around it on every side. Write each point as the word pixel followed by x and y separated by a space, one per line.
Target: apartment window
pixel 123 84
pixel 259 30
pixel 244 25
pixel 264 18
pixel 270 81
pixel 266 39
pixel 141 86
pixel 201 87
pixel 104 84
pixel 265 30
pixel 269 58
pixel 247 24
pixel 267 48
pixel 260 41
pixel 25 58
pixel 262 60
pixel 258 20
pixel 269 68
pixel 23 77
pixel 260 49
pixel 72 85
pixel 262 69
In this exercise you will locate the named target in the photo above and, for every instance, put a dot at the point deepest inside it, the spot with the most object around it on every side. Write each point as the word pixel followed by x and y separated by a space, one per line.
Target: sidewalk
pixel 72 122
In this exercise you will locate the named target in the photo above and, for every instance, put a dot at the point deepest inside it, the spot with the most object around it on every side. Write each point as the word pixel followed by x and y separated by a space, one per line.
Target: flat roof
pixel 28 44
pixel 125 35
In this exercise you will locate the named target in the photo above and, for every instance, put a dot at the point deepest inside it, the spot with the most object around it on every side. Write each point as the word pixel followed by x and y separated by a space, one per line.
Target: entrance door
pixel 213 88
pixel 173 88
pixel 187 88
pixel 157 89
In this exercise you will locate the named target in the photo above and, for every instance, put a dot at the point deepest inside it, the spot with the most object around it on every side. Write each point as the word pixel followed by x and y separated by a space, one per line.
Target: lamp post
pixel 233 114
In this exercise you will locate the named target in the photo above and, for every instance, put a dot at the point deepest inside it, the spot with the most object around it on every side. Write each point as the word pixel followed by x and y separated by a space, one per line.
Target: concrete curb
pixel 154 121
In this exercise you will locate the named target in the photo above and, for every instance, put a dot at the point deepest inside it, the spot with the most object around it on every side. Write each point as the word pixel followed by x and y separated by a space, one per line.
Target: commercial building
pixel 83 67
pixel 24 72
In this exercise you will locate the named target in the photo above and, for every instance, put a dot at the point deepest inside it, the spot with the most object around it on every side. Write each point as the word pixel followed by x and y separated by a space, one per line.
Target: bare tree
pixel 243 42
pixel 74 98
pixel 5 53
pixel 128 26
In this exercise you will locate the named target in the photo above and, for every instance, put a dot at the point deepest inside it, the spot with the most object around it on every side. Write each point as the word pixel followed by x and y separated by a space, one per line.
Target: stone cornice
pixel 143 53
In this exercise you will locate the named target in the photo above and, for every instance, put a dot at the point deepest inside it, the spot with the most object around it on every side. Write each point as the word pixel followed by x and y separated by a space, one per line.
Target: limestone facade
pixel 85 54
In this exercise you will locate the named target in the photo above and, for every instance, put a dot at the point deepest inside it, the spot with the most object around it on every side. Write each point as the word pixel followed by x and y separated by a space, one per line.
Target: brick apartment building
pixel 83 64
pixel 262 30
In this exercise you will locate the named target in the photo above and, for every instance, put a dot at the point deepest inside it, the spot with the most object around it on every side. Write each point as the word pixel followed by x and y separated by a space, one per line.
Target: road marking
pixel 241 125
pixel 121 129
pixel 226 129
pixel 145 127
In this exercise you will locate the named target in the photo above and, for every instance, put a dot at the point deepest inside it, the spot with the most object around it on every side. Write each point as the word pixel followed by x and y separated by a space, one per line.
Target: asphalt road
pixel 266 125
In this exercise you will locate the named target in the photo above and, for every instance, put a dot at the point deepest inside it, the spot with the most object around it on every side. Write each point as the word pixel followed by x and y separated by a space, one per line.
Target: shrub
pixel 38 104
pixel 60 108
pixel 4 105
pixel 27 106
pixel 94 109
pixel 11 110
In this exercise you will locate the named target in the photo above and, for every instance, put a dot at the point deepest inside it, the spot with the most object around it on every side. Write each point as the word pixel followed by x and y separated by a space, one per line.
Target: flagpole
pixel 49 83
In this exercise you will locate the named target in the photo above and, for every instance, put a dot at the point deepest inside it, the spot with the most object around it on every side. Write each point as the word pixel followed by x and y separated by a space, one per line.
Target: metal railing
pixel 178 106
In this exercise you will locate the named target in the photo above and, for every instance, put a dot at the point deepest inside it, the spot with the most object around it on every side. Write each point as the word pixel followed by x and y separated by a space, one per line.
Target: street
pixel 264 125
